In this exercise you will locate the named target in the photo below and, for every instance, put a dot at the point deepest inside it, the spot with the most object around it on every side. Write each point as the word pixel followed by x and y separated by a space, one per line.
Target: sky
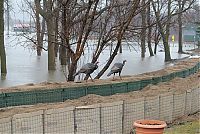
pixel 17 13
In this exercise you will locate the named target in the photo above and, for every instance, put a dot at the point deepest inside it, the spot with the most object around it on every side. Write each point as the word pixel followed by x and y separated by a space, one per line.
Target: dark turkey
pixel 117 68
pixel 88 69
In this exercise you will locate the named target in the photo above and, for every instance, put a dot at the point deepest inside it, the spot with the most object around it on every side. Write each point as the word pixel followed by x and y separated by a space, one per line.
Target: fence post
pixel 144 107
pixel 173 107
pixel 185 102
pixel 11 123
pixel 100 119
pixel 75 125
pixel 126 88
pixel 86 92
pixel 123 117
pixel 43 122
pixel 111 89
pixel 62 94
pixel 159 106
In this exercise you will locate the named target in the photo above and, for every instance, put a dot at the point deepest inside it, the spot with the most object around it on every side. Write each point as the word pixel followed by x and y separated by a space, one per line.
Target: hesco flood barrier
pixel 62 94
pixel 104 118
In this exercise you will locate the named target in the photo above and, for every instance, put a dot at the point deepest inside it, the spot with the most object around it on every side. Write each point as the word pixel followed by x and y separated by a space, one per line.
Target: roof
pixel 22 25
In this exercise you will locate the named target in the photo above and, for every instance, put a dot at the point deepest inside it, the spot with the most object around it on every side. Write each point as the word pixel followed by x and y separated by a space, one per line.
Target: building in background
pixel 22 28
pixel 189 33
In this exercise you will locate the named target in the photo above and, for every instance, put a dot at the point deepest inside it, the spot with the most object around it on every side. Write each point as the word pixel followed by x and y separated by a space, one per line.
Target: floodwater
pixel 24 66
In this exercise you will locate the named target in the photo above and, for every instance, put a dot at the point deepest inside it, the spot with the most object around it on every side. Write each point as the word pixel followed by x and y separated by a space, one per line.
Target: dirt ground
pixel 185 125
pixel 177 85
pixel 184 119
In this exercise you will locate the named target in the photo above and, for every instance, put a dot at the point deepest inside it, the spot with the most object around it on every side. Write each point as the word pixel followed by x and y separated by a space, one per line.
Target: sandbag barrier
pixel 60 95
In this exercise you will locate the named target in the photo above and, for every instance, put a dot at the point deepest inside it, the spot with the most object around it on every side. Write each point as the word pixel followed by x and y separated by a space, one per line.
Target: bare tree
pixel 164 31
pixel 77 22
pixel 49 13
pixel 124 24
pixel 40 29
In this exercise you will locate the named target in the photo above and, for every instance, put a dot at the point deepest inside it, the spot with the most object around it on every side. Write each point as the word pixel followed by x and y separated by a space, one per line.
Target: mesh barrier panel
pixel 133 110
pixel 185 73
pixel 156 80
pixel 199 65
pixel 74 93
pixel 59 120
pixel 119 88
pixel 188 102
pixel 5 126
pixel 88 120
pixel 111 118
pixel 179 74
pixel 44 96
pixel 103 90
pixel 108 118
pixel 151 108
pixel 20 98
pixel 146 82
pixel 2 100
pixel 196 68
pixel 133 86
pixel 59 95
pixel 192 70
pixel 166 78
pixel 195 101
pixel 166 107
pixel 178 105
pixel 28 123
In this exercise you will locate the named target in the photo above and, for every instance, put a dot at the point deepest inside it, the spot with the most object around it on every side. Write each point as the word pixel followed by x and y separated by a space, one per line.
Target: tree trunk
pixel 156 38
pixel 155 48
pixel 48 13
pixel 149 30
pixel 56 47
pixel 120 49
pixel 2 47
pixel 164 36
pixel 167 51
pixel 72 70
pixel 51 45
pixel 83 34
pixel 43 29
pixel 166 41
pixel 180 42
pixel 38 34
pixel 63 55
pixel 143 31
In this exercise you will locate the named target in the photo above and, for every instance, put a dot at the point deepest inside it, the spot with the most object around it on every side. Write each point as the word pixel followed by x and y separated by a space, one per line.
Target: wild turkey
pixel 88 69
pixel 117 68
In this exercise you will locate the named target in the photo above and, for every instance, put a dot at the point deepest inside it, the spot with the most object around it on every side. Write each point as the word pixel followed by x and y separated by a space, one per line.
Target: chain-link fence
pixel 108 118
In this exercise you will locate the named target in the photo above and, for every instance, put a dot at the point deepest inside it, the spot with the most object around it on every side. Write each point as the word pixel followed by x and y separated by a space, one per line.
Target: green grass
pixel 186 128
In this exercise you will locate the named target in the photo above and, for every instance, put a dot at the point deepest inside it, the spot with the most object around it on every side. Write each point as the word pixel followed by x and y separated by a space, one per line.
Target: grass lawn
pixel 186 128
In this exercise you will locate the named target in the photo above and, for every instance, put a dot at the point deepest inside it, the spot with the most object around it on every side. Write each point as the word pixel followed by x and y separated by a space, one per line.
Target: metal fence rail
pixel 112 118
